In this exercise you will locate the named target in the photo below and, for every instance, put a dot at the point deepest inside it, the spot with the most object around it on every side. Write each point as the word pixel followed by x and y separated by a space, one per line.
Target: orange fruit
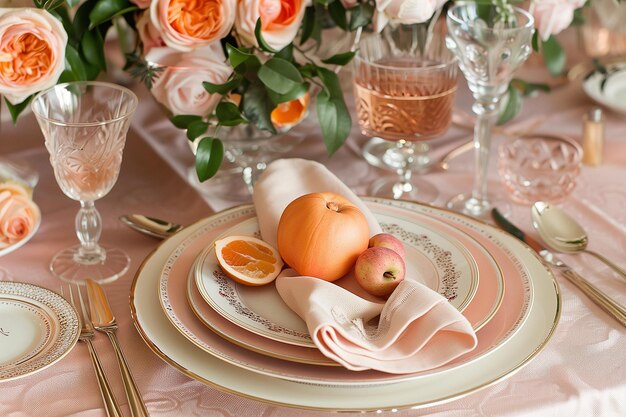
pixel 291 112
pixel 248 260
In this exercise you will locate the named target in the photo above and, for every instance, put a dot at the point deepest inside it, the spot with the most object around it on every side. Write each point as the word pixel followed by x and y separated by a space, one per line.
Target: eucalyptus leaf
pixel 209 156
pixel 553 56
pixel 182 121
pixel 196 129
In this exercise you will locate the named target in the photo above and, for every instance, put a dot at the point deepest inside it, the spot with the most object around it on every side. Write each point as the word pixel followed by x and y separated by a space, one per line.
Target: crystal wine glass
pixel 491 44
pixel 85 126
pixel 404 95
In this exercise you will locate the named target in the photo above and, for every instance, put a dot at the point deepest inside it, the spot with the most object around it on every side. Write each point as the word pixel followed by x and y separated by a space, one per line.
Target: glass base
pixel 380 153
pixel 64 266
pixel 417 190
pixel 480 209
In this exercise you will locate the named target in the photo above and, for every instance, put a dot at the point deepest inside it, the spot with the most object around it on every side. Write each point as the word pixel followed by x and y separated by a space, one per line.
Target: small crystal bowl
pixel 539 167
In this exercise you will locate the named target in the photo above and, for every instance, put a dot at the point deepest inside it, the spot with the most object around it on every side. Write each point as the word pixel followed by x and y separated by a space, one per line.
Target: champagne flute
pixel 85 126
pixel 404 95
pixel 491 43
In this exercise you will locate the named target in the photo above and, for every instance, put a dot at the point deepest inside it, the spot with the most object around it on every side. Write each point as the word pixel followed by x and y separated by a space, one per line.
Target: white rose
pixel 552 16
pixel 179 87
pixel 404 11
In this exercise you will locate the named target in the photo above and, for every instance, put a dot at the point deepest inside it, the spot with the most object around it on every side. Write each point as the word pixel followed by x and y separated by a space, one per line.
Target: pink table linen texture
pixel 417 330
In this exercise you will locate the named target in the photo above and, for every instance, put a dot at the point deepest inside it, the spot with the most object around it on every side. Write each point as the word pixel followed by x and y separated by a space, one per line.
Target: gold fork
pixel 86 334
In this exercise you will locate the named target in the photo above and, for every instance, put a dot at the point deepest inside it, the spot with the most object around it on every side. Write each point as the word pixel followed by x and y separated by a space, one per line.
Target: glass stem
pixel 88 230
pixel 407 154
pixel 487 114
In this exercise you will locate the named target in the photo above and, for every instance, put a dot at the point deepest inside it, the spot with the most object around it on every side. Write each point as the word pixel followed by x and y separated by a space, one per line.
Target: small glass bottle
pixel 593 137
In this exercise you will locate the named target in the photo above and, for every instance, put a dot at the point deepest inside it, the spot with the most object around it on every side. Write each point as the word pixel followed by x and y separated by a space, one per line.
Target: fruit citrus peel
pixel 248 260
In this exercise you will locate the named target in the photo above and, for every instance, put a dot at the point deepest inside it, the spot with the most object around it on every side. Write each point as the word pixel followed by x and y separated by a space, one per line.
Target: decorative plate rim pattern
pixel 61 342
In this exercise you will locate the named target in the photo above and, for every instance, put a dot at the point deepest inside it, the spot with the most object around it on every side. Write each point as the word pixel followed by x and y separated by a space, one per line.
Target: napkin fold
pixel 414 330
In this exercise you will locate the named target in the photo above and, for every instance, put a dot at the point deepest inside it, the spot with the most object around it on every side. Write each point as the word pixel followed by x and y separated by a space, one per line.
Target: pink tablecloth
pixel 582 371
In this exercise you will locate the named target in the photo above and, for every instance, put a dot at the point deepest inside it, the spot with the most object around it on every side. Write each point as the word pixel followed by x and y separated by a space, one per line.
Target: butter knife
pixel 104 321
pixel 602 300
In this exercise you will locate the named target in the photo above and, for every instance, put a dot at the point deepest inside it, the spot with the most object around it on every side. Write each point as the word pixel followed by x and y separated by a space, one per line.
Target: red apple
pixel 379 270
pixel 387 240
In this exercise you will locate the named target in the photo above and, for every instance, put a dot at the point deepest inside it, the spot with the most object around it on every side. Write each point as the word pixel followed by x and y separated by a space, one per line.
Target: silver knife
pixel 602 300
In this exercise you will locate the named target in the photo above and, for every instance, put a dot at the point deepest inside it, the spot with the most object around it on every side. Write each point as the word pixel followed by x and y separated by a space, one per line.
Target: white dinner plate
pixel 523 342
pixel 37 328
pixel 613 93
pixel 436 259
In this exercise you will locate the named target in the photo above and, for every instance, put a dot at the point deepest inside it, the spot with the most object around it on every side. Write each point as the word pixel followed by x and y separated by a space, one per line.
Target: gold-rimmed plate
pixel 37 328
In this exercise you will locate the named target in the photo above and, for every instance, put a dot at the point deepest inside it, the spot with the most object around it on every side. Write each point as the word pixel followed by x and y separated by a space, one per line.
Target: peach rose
pixel 149 35
pixel 404 11
pixel 552 16
pixel 179 87
pixel 32 52
pixel 18 217
pixel 280 20
pixel 187 24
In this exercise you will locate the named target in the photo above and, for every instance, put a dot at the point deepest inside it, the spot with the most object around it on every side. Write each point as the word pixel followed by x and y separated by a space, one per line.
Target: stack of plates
pixel 246 341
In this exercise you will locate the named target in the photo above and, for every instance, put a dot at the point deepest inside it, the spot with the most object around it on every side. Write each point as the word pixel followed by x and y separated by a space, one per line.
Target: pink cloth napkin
pixel 414 330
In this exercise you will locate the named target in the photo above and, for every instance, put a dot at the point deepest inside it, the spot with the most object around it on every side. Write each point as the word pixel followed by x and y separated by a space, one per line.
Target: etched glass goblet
pixel 85 126
pixel 405 96
pixel 491 43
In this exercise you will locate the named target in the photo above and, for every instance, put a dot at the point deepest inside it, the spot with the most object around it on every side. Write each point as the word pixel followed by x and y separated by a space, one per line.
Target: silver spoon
pixel 563 233
pixel 150 226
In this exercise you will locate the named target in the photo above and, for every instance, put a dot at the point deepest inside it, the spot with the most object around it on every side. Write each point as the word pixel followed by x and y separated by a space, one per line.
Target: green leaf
pixel 279 75
pixel 340 59
pixel 535 41
pixel 553 56
pixel 527 88
pixel 242 60
pixel 286 53
pixel 182 121
pixel 510 105
pixel 259 38
pixel 196 129
pixel 334 120
pixel 257 107
pixel 74 64
pixel 361 16
pixel 209 156
pixel 338 14
pixel 107 9
pixel 92 46
pixel 229 114
pixel 225 88
pixel 297 92
pixel 16 109
pixel 331 82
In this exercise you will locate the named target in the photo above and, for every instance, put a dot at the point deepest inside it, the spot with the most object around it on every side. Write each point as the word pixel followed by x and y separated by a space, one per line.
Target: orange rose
pixel 187 24
pixel 32 52
pixel 280 20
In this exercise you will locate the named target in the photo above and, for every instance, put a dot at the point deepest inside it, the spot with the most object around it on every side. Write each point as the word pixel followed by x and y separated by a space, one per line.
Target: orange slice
pixel 291 112
pixel 248 260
